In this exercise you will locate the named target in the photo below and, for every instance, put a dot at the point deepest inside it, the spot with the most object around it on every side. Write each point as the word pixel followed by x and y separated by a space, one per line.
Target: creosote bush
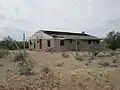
pixel 19 57
pixel 78 57
pixel 1 65
pixel 50 50
pixel 115 61
pixel 25 65
pixel 104 63
pixel 96 52
pixel 3 53
pixel 65 55
pixel 45 70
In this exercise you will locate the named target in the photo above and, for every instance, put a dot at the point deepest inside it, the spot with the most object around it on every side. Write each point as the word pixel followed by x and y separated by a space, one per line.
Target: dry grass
pixel 65 55
pixel 1 65
pixel 115 61
pixel 53 72
pixel 79 58
pixel 45 70
pixel 3 53
pixel 50 50
pixel 104 63
pixel 24 63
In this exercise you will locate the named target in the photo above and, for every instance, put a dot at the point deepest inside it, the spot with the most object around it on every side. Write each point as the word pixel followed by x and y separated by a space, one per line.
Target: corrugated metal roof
pixel 63 33
pixel 75 37
pixel 67 35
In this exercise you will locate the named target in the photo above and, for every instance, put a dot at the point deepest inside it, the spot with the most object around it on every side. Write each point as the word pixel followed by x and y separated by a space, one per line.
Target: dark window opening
pixel 97 42
pixel 48 42
pixel 34 45
pixel 40 44
pixel 78 42
pixel 30 42
pixel 37 41
pixel 89 42
pixel 70 40
pixel 61 42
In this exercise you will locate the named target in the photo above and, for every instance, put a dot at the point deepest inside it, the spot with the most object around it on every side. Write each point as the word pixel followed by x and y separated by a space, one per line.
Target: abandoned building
pixel 62 41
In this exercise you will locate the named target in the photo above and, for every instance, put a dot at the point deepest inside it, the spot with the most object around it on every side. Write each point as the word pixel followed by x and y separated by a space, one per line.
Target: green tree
pixel 113 40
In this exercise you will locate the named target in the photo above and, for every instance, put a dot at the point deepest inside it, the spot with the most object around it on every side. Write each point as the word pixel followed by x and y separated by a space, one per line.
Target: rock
pixel 2 87
pixel 113 65
pixel 103 54
pixel 104 63
pixel 65 55
pixel 59 64
pixel 100 54
pixel 1 65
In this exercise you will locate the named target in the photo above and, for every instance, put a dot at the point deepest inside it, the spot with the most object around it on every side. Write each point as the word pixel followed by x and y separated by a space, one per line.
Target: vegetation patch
pixel 50 50
pixel 3 53
pixel 96 52
pixel 65 55
pixel 25 65
pixel 1 65
pixel 79 58
pixel 104 63
pixel 113 40
pixel 115 61
pixel 45 70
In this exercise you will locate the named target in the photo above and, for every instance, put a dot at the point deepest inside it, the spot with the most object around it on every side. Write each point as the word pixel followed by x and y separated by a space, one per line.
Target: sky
pixel 95 17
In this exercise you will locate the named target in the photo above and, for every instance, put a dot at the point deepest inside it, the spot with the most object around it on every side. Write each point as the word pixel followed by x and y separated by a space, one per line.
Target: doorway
pixel 48 43
pixel 40 44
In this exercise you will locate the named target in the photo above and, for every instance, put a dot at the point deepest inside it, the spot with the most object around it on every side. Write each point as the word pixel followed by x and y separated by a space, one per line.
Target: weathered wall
pixel 82 45
pixel 40 35
pixel 67 45
pixel 61 48
pixel 44 37
pixel 31 46
pixel 55 43
pixel 44 44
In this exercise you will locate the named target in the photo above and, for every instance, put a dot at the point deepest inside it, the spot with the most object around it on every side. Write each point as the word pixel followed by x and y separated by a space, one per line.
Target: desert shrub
pixel 112 53
pixel 101 54
pixel 115 61
pixel 50 50
pixel 25 65
pixel 48 82
pixel 95 52
pixel 78 57
pixel 113 40
pixel 2 87
pixel 65 55
pixel 45 70
pixel 9 43
pixel 90 59
pixel 113 66
pixel 118 49
pixel 20 56
pixel 1 65
pixel 104 63
pixel 3 53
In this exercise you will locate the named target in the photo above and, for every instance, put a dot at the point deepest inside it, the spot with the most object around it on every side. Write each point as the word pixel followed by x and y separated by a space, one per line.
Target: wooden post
pixel 76 47
pixel 24 42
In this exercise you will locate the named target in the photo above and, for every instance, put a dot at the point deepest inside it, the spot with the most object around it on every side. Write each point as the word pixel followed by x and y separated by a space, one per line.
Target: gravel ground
pixel 64 73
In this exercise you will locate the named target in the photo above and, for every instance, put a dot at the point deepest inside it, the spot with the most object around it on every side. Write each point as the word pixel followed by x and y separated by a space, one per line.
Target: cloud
pixel 93 16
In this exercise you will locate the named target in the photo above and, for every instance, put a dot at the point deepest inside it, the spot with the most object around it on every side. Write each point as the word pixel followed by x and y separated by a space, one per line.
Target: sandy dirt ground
pixel 65 73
